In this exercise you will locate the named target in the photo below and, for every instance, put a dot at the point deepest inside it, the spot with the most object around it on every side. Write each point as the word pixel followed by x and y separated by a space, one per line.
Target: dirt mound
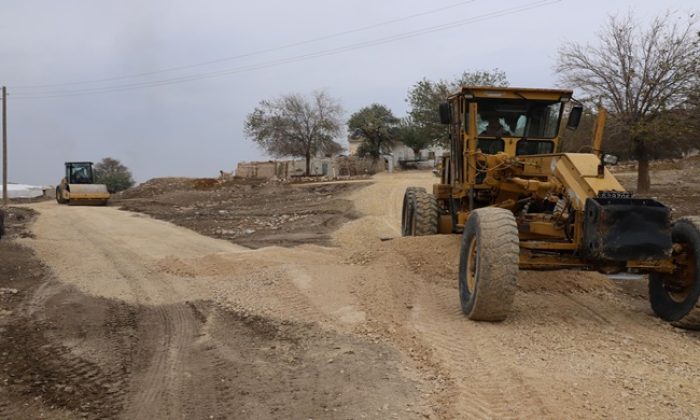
pixel 156 186
pixel 253 213
pixel 435 258
pixel 166 185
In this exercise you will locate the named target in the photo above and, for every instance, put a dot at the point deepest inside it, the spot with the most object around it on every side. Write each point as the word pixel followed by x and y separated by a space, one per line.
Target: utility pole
pixel 4 147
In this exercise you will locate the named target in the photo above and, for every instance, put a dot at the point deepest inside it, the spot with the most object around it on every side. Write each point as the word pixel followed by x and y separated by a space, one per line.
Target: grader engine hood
pixel 616 227
pixel 579 174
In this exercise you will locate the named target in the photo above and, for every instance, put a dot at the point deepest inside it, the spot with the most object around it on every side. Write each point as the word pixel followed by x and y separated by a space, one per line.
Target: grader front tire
pixel 488 264
pixel 674 297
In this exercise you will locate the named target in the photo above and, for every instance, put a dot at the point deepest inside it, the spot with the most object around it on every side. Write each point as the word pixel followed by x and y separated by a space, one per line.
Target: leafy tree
pixel 297 126
pixel 643 75
pixel 112 173
pixel 425 96
pixel 412 136
pixel 377 126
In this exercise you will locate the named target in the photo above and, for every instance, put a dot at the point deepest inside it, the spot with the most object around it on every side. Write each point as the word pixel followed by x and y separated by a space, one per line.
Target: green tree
pixel 112 173
pixel 644 75
pixel 377 126
pixel 412 136
pixel 296 126
pixel 425 96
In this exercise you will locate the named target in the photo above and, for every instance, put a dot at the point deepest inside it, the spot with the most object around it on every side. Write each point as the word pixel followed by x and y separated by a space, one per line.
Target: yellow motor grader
pixel 79 187
pixel 519 203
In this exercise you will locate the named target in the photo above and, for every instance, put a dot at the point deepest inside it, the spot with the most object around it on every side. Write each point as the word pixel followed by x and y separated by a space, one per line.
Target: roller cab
pixel 79 187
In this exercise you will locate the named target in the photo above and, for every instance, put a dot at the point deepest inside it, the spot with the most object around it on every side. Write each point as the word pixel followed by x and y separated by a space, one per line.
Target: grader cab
pixel 519 203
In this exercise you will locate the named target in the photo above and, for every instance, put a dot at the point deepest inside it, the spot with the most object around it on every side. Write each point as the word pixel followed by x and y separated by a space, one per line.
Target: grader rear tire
pixel 488 264
pixel 408 209
pixel 674 297
pixel 425 214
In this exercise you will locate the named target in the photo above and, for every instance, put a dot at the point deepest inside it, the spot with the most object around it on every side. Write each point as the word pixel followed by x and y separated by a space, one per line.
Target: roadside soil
pixel 250 212
pixel 127 316
pixel 673 183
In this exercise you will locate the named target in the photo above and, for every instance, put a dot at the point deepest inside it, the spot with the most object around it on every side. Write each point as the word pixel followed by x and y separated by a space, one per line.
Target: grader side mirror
pixel 574 117
pixel 445 113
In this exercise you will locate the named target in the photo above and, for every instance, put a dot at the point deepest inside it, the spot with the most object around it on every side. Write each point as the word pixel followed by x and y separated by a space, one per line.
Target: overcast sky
pixel 162 114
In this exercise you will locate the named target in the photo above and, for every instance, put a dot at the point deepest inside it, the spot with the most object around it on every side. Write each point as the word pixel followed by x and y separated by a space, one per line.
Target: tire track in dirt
pixel 58 376
pixel 434 321
pixel 498 375
pixel 8 409
pixel 485 385
pixel 157 384
pixel 42 368
pixel 156 392
pixel 211 393
pixel 589 311
pixel 291 297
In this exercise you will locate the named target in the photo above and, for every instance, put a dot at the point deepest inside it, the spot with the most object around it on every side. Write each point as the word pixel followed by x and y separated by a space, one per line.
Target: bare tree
pixel 297 126
pixel 638 73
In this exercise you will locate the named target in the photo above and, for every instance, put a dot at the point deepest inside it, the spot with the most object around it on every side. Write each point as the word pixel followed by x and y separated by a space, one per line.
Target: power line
pixel 322 53
pixel 293 59
pixel 253 53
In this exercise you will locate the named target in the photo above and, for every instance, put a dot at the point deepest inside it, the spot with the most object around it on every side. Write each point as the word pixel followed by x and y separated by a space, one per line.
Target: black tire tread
pixel 415 189
pixel 426 214
pixel 691 320
pixel 408 200
pixel 499 258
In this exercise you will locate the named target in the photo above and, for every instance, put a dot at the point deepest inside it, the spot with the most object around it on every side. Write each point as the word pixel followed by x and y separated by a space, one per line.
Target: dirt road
pixel 144 319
